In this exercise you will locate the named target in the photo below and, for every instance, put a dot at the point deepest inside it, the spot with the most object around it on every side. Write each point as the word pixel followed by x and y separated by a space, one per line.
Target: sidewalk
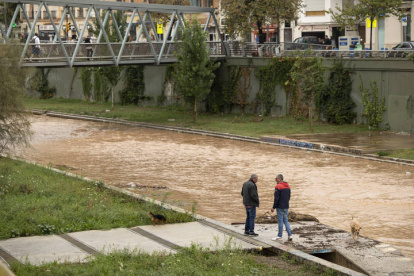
pixel 311 242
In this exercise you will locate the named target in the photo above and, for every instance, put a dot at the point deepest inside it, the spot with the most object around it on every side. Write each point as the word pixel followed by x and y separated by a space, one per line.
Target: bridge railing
pixel 100 53
pixel 238 49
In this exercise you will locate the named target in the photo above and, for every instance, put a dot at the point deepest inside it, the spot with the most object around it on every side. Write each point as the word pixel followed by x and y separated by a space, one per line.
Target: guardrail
pixel 56 54
pixel 238 49
pixel 99 54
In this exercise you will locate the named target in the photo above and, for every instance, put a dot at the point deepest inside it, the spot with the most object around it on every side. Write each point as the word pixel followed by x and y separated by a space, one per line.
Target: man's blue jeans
pixel 282 218
pixel 251 216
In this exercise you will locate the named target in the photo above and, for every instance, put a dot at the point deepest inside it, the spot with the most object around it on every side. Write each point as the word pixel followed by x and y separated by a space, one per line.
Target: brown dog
pixel 355 228
pixel 156 218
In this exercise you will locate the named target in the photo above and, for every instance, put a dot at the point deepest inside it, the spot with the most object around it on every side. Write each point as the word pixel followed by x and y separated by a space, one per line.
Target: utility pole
pixel 5 15
pixel 66 29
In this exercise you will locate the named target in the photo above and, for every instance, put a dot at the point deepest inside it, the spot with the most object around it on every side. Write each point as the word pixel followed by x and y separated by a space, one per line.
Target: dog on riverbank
pixel 355 228
pixel 156 218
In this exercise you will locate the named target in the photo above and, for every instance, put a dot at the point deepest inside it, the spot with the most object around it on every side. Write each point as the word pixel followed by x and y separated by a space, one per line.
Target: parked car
pixel 307 40
pixel 404 48
pixel 303 43
pixel 405 45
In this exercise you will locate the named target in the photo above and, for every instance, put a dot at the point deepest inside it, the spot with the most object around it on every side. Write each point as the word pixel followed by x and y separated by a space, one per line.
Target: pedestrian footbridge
pixel 145 48
pixel 133 41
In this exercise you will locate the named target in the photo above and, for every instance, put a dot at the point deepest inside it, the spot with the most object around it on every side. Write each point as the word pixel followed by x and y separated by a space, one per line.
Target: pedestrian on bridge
pixel 250 202
pixel 89 50
pixel 36 47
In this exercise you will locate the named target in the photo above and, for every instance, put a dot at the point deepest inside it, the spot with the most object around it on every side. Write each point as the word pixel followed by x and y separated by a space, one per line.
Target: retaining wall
pixel 394 77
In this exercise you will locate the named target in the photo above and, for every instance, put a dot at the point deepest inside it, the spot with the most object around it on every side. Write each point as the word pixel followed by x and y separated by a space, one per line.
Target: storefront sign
pixel 46 28
pixel 314 28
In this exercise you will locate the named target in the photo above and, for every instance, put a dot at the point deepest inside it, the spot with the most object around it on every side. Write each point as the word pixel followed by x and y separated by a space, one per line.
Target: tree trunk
pixel 310 119
pixel 260 29
pixel 112 96
pixel 195 110
pixel 370 36
pixel 75 72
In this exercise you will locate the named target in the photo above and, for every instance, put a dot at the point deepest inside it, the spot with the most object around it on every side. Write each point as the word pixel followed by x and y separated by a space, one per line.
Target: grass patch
pixel 403 153
pixel 189 261
pixel 38 201
pixel 247 124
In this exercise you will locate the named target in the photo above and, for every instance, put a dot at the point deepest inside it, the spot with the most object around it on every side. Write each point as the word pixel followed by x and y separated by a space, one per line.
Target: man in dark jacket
pixel 250 202
pixel 281 204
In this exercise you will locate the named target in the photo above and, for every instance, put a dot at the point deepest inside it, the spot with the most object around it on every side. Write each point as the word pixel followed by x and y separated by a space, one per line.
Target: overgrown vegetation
pixel 276 73
pixel 40 83
pixel 86 78
pixel 374 107
pixel 14 125
pixel 134 88
pixel 307 82
pixel 49 203
pixel 403 153
pixel 193 260
pixel 230 123
pixel 335 99
pixel 222 95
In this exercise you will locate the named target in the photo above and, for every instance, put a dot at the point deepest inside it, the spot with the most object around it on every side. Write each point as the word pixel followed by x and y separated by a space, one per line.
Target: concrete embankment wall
pixel 394 77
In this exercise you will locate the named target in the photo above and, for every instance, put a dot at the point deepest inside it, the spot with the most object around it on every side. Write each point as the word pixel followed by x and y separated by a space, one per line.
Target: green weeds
pixel 37 201
pixel 193 260
pixel 247 124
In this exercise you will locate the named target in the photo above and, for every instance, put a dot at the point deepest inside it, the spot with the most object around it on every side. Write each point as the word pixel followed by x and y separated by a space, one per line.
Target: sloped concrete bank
pixel 76 247
pixel 313 243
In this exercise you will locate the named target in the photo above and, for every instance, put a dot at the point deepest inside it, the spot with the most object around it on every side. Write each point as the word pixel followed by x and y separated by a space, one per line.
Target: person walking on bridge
pixel 250 202
pixel 281 204
pixel 36 47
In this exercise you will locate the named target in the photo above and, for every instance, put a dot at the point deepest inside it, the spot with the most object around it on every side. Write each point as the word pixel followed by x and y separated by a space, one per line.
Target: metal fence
pixel 97 54
pixel 92 54
pixel 238 49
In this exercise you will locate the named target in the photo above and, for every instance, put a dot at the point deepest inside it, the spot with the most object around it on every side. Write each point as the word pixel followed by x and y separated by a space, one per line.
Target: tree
pixel 335 98
pixel 353 14
pixel 14 125
pixel 194 69
pixel 243 16
pixel 86 78
pixel 111 74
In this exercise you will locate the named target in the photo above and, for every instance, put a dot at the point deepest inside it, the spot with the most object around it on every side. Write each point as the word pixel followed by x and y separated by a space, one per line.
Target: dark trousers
pixel 251 216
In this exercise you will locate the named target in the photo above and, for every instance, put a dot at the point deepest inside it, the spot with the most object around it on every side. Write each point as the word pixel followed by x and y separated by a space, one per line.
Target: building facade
pixel 46 32
pixel 313 20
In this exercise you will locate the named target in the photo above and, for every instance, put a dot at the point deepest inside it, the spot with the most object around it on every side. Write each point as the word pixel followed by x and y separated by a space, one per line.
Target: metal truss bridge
pixel 144 50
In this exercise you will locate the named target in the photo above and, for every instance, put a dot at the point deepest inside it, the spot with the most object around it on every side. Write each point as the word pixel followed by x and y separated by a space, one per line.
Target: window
pixel 407 27
pixel 80 13
pixel 315 13
pixel 315 8
pixel 31 12
pixel 45 15
pixel 53 14
pixel 315 5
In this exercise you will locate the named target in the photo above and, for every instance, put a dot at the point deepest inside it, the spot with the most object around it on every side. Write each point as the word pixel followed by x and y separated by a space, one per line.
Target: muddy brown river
pixel 186 169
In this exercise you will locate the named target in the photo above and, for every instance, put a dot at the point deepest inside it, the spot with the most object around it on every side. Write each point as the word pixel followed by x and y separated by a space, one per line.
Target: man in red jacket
pixel 281 204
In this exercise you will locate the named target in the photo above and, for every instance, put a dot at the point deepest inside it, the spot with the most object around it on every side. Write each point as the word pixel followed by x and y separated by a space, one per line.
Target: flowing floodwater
pixel 210 172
